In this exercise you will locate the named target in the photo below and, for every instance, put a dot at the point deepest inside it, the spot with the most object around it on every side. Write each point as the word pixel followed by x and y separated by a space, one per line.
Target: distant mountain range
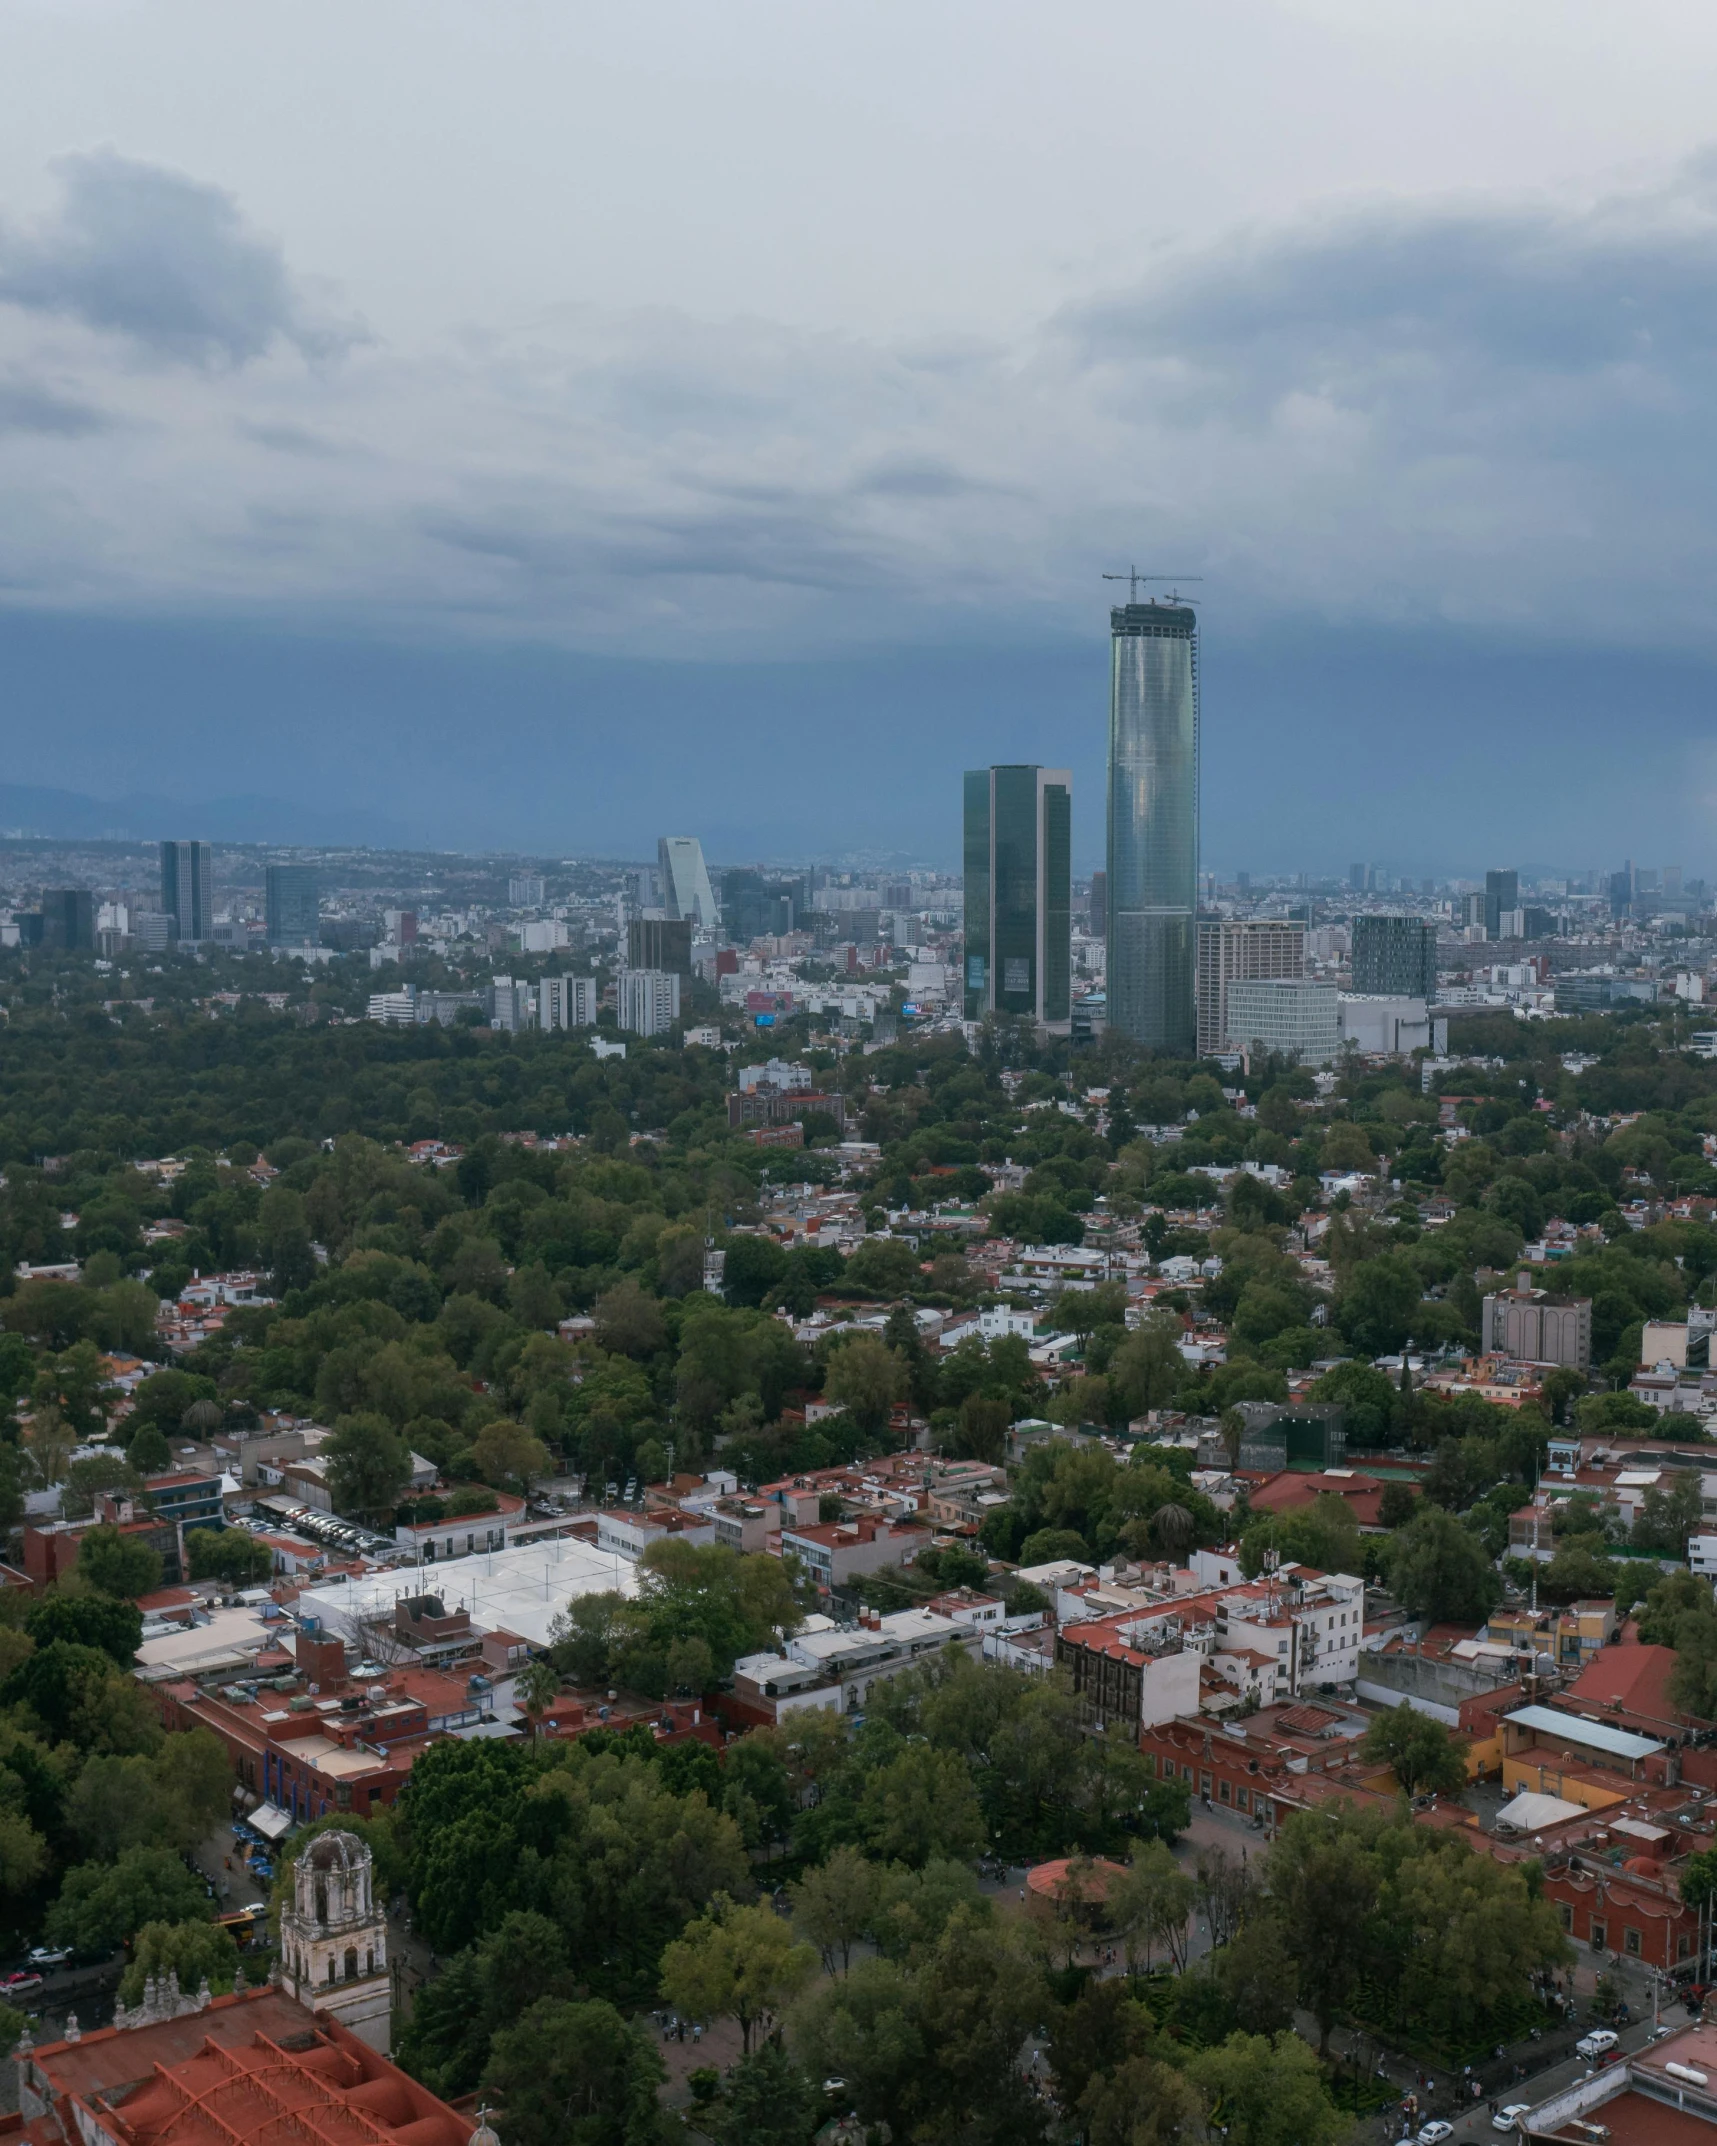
pixel 70 816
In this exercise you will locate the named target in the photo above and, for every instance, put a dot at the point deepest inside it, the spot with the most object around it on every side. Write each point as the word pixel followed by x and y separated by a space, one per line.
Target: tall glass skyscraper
pixel 188 889
pixel 1153 824
pixel 1019 893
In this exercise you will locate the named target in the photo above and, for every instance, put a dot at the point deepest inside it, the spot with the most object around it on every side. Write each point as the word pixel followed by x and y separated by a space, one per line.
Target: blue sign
pixel 766 1020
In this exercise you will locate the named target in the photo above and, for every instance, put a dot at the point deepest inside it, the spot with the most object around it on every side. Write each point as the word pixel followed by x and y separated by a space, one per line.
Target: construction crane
pixel 1134 578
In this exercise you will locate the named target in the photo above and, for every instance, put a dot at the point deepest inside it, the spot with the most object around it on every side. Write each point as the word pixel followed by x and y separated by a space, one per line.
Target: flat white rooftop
pixel 521 1590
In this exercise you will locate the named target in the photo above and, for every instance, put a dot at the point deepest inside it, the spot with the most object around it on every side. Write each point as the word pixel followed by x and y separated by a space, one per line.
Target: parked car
pixel 20 1984
pixel 1507 2119
pixel 1597 2043
pixel 46 1956
pixel 1435 2132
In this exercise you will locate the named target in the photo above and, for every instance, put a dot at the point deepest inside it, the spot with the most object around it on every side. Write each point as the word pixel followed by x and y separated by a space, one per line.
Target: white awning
pixel 271 1821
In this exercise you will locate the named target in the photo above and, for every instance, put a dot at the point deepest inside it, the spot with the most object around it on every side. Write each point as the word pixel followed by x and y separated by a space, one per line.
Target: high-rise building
pixel 68 919
pixel 525 891
pixel 753 907
pixel 686 891
pixel 511 1004
pixel 1153 823
pixel 188 888
pixel 646 1001
pixel 293 904
pixel 1395 957
pixel 1501 894
pixel 1289 1017
pixel 1019 893
pixel 1231 951
pixel 660 943
pixel 566 1002
pixel 1099 904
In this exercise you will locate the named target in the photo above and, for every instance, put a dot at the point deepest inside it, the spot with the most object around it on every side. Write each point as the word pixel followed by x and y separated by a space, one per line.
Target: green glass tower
pixel 1019 893
pixel 1153 825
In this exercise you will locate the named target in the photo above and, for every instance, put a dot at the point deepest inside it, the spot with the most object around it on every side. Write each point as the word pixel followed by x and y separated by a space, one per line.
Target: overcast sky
pixel 789 343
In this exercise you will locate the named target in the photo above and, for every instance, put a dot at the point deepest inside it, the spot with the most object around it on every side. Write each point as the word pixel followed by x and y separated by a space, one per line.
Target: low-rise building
pixel 834 1553
pixel 834 1668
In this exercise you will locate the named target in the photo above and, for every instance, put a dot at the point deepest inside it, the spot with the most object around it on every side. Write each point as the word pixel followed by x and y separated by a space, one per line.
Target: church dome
pixel 336 1852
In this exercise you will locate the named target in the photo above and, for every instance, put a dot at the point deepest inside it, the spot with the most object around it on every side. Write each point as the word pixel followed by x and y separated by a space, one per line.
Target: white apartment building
pixel 646 1001
pixel 566 1002
pixel 1294 1018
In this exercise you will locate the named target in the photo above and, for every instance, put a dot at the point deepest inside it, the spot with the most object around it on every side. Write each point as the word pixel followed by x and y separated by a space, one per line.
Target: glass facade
pixel 188 888
pixel 1395 957
pixel 1152 878
pixel 1019 893
pixel 292 898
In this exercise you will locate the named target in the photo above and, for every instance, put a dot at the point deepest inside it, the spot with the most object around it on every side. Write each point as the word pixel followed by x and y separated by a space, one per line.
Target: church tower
pixel 333 1939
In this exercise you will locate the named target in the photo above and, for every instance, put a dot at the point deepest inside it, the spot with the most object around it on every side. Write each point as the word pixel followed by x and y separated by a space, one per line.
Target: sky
pixel 548 426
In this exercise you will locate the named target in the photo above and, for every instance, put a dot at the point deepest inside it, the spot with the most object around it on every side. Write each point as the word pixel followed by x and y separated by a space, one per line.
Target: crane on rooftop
pixel 1135 580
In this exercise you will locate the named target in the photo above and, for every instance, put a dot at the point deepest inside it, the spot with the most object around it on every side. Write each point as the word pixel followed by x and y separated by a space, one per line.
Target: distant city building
pixel 188 888
pixel 660 943
pixel 292 902
pixel 753 907
pixel 686 891
pixel 1387 1025
pixel 542 935
pixel 68 919
pixel 1099 904
pixel 1501 895
pixel 1395 956
pixel 1534 1327
pixel 1294 1019
pixel 525 891
pixel 152 930
pixel 1019 893
pixel 1229 951
pixel 566 1002
pixel 646 1001
pixel 1152 862
pixel 400 926
pixel 511 1004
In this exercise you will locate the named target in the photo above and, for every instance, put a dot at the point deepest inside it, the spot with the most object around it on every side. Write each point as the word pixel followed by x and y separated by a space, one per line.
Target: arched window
pixel 351 1963
pixel 321 1900
pixel 330 1967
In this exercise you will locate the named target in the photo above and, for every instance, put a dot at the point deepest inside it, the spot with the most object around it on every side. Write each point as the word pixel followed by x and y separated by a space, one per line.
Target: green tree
pixel 835 1903
pixel 231 1554
pixel 117 1563
pixel 1420 1752
pixel 536 1690
pixel 1269 2092
pixel 100 1905
pixel 572 2074
pixel 865 1378
pixel 92 1620
pixel 1440 1571
pixel 507 1455
pixel 1147 1370
pixel 750 1268
pixel 197 1952
pixel 1150 1905
pixel 736 1963
pixel 922 1804
pixel 766 2101
pixel 369 1464
pixel 1324 1884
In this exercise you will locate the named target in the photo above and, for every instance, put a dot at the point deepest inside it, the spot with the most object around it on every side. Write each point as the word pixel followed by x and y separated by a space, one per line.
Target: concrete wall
pixel 1434 1688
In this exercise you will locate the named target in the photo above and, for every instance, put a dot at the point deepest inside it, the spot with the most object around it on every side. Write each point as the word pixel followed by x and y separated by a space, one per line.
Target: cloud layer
pixel 1501 419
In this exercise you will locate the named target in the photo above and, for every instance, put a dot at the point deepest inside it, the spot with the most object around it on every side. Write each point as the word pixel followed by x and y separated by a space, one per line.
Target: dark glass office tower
pixel 1501 895
pixel 1395 957
pixel 188 889
pixel 292 898
pixel 68 918
pixel 1153 824
pixel 1019 893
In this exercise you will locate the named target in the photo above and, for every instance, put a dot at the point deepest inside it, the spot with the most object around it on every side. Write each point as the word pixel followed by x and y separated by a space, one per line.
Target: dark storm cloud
pixel 162 259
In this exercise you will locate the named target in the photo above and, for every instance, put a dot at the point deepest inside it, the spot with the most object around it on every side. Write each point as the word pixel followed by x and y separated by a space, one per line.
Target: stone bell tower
pixel 333 1939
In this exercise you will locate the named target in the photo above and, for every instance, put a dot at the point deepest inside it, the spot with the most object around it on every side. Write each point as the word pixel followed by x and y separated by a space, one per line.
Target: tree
pixel 197 1952
pixel 736 1963
pixel 1324 1883
pixel 92 1620
pixel 1397 1505
pixel 576 2075
pixel 1420 1752
pixel 866 1378
pixel 536 1690
pixel 984 1422
pixel 629 1322
pixel 885 1266
pixel 102 1904
pixel 1578 1570
pixel 922 1804
pixel 1440 1571
pixel 767 2101
pixel 1378 1303
pixel 835 1903
pixel 1258 1976
pixel 1271 2092
pixel 507 1455
pixel 1148 1370
pixel 1150 1904
pixel 148 1453
pixel 369 1464
pixel 231 1554
pixel 750 1268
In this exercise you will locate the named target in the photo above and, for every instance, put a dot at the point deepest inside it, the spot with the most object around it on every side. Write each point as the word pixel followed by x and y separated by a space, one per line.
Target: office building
pixel 1019 893
pixel 1285 1017
pixel 68 919
pixel 188 889
pixel 1255 951
pixel 660 943
pixel 646 1001
pixel 1153 824
pixel 1534 1327
pixel 566 1002
pixel 1395 957
pixel 1501 894
pixel 293 904
pixel 1099 904
pixel 1388 1025
pixel 686 891
pixel 510 1003
pixel 525 891
pixel 753 907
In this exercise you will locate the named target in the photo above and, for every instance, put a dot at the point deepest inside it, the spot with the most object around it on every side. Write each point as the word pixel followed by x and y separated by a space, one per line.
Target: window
pixel 1242 1799
pixel 1600 1935
pixel 1204 1784
pixel 1566 1913
pixel 1223 1793
pixel 1631 1942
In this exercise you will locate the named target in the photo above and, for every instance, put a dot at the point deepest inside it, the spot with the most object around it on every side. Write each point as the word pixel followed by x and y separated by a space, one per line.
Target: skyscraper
pixel 188 888
pixel 686 891
pixel 292 900
pixel 1395 957
pixel 1234 951
pixel 68 918
pixel 1019 893
pixel 1501 894
pixel 1153 823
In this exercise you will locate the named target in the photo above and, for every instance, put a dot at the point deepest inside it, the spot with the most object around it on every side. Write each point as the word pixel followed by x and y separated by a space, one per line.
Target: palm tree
pixel 537 1689
pixel 1173 1527
pixel 202 1416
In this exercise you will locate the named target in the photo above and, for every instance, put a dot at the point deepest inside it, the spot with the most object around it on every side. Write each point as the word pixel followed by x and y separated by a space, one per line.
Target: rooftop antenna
pixel 1135 580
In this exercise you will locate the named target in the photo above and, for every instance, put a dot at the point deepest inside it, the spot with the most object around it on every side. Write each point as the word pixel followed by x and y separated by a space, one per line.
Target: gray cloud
pixel 162 259
pixel 27 406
